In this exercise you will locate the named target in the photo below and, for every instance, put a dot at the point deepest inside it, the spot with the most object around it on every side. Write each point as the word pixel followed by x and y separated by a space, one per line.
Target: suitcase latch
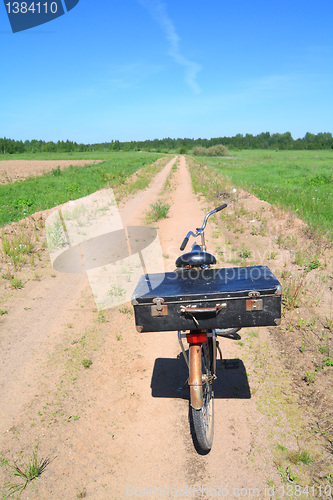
pixel 159 309
pixel 254 305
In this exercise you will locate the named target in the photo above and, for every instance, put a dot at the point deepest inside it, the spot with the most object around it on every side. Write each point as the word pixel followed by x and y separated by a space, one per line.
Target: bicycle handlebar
pixel 183 245
pixel 221 207
pixel 201 229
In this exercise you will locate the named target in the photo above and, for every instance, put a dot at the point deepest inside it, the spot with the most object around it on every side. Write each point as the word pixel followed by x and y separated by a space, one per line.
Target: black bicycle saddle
pixel 196 258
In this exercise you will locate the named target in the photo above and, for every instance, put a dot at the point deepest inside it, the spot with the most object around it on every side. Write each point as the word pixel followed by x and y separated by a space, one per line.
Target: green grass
pixel 300 181
pixel 300 456
pixel 16 283
pixel 86 363
pixel 26 197
pixel 27 473
pixel 310 377
pixel 245 253
pixel 158 211
pixel 82 493
pixel 328 361
pixel 293 289
pixel 16 247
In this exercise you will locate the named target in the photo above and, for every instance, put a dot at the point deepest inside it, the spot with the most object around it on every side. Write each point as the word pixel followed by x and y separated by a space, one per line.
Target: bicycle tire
pixel 203 418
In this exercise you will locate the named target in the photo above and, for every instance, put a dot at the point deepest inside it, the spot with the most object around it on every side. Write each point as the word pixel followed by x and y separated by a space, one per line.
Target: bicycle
pixel 202 347
pixel 202 303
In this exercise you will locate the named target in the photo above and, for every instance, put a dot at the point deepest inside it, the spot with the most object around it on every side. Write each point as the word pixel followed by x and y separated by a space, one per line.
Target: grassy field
pixel 23 198
pixel 88 155
pixel 300 181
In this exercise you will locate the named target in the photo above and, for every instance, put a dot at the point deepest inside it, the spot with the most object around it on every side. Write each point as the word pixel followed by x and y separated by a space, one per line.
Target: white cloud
pixel 158 11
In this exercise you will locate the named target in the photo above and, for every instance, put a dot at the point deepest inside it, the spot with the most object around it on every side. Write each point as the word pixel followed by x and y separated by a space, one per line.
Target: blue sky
pixel 146 69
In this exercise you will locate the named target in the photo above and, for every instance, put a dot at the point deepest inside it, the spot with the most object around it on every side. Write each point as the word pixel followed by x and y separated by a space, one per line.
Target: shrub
pixel 199 151
pixel 218 150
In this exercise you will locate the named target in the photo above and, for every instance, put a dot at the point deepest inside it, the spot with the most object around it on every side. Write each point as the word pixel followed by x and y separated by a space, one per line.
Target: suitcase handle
pixel 193 309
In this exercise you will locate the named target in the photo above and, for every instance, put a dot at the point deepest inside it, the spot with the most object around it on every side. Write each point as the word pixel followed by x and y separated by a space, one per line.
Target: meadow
pixel 22 198
pixel 299 181
pixel 75 155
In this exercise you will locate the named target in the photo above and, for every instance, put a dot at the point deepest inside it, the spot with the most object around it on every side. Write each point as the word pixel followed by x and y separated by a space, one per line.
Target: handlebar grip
pixel 183 245
pixel 221 207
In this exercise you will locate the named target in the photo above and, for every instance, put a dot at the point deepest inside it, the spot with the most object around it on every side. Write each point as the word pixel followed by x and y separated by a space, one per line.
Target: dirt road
pixel 120 428
pixel 15 170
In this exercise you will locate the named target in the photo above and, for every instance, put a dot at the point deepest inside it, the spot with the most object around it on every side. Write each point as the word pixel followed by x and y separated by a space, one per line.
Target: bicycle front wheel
pixel 203 418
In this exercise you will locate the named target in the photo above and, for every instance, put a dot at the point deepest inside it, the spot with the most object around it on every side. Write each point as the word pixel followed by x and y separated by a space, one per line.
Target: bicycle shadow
pixel 170 374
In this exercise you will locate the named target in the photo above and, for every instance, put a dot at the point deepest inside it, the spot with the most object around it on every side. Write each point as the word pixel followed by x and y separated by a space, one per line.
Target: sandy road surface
pixel 120 429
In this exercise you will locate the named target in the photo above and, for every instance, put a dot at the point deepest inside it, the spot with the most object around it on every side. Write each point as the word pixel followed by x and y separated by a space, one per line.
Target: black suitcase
pixel 192 299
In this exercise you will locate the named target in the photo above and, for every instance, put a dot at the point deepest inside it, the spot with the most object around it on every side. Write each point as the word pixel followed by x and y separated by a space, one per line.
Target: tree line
pixel 265 140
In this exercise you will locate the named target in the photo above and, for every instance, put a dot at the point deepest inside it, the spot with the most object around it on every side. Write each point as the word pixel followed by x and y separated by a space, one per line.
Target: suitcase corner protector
pixel 134 301
pixel 277 321
pixel 139 328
